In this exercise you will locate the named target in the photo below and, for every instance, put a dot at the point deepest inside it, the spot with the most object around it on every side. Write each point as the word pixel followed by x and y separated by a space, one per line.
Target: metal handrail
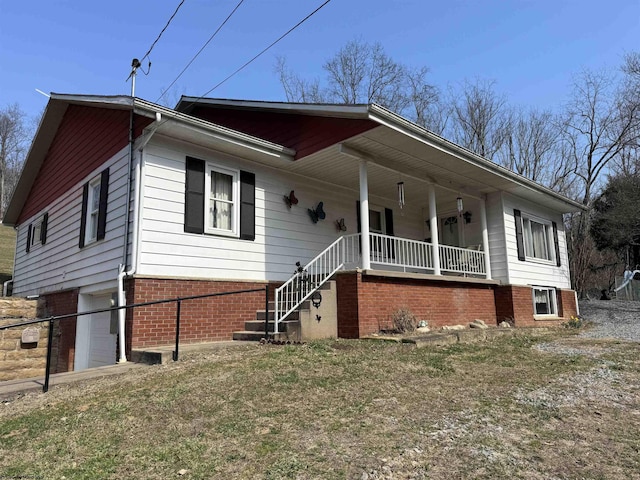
pixel 177 300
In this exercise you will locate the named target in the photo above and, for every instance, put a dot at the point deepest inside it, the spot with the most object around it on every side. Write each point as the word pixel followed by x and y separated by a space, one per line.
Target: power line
pixel 200 51
pixel 264 50
pixel 162 31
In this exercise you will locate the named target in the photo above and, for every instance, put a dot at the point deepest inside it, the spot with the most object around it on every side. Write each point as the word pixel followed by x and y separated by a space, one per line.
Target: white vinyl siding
pixel 283 235
pixel 61 264
pixel 497 237
pixel 533 271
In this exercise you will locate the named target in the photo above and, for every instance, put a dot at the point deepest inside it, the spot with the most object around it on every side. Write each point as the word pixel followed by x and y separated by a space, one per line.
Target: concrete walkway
pixel 11 388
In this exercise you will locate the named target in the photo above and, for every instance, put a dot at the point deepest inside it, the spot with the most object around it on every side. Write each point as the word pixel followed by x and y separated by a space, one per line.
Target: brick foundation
pixel 367 302
pixel 63 346
pixel 202 320
pixel 515 303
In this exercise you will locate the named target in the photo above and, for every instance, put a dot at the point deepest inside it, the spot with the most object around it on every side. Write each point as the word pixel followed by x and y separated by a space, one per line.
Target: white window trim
pixel 235 192
pixel 89 235
pixel 549 237
pixel 383 223
pixel 553 300
pixel 35 241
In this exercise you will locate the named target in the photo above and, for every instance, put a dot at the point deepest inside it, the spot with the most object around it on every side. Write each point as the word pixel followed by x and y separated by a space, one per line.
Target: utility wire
pixel 200 51
pixel 162 31
pixel 263 51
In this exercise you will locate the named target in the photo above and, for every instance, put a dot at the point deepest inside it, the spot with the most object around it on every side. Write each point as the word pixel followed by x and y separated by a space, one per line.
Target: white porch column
pixel 433 224
pixel 365 247
pixel 485 238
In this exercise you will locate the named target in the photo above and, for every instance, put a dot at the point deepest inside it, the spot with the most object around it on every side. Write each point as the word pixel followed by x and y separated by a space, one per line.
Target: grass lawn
pixel 518 407
pixel 7 249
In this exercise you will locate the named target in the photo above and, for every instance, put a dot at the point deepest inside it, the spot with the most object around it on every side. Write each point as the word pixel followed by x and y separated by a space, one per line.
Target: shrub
pixel 574 322
pixel 403 320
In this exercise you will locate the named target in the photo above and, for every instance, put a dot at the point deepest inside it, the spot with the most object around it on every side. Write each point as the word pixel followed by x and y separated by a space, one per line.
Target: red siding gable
pixel 86 138
pixel 305 134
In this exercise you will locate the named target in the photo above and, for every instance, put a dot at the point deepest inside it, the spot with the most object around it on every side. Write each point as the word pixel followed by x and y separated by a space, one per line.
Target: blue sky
pixel 530 48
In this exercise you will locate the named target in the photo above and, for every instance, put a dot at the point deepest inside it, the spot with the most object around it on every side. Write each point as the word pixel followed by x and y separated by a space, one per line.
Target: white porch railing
pixel 392 252
pixel 462 260
pixel 314 274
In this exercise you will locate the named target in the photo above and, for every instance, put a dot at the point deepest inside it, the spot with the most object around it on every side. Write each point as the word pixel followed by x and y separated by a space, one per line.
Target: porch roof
pixel 399 150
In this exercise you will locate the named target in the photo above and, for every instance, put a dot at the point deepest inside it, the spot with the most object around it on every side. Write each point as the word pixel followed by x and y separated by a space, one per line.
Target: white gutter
pixel 122 298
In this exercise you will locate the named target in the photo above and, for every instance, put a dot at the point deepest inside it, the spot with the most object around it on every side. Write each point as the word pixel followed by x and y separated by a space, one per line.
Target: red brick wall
pixel 202 320
pixel 515 303
pixel 567 304
pixel 369 302
pixel 64 331
pixel 347 304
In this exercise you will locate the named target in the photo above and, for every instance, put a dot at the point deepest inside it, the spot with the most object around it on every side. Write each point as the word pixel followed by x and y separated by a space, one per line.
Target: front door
pixel 450 234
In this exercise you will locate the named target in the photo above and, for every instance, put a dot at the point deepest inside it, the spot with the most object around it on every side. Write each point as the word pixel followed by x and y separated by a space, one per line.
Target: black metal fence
pixel 177 300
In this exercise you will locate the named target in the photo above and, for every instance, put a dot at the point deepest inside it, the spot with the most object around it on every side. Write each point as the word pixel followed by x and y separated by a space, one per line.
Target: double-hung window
pixel 93 210
pixel 93 219
pixel 37 232
pixel 222 188
pixel 544 301
pixel 219 200
pixel 537 238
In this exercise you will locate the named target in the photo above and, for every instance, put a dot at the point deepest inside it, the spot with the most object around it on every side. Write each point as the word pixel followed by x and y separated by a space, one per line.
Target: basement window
pixel 544 301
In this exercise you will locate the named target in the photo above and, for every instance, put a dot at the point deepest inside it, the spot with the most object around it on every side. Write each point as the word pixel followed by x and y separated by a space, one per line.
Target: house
pixel 124 201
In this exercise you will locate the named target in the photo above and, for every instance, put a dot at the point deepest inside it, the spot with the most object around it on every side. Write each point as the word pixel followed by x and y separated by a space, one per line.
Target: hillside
pixel 7 249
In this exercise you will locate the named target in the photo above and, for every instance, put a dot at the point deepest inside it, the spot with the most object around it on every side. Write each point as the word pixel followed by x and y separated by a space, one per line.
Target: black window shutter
pixel 194 196
pixel 517 215
pixel 43 228
pixel 358 216
pixel 247 205
pixel 388 221
pixel 29 238
pixel 388 224
pixel 102 209
pixel 556 243
pixel 83 216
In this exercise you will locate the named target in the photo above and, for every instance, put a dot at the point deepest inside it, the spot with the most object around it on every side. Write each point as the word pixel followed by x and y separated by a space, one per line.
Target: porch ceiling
pixel 396 156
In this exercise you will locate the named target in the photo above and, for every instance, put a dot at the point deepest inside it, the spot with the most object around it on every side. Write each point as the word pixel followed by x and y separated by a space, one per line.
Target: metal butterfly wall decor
pixel 290 199
pixel 341 225
pixel 317 213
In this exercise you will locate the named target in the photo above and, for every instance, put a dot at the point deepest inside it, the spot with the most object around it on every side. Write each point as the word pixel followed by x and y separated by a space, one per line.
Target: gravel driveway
pixel 611 319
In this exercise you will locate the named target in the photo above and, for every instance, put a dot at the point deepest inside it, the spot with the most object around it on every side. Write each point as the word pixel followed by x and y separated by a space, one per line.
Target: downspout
pixel 122 273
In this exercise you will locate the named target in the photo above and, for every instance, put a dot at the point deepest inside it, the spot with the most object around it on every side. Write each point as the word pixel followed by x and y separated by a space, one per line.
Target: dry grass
pixel 7 249
pixel 514 408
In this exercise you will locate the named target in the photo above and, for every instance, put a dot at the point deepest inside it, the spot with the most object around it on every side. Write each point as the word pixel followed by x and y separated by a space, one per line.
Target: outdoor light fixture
pixel 467 216
pixel 316 299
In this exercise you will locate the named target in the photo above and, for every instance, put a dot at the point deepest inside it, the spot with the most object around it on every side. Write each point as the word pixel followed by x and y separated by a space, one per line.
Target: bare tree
pixel 532 149
pixel 600 124
pixel 480 118
pixel 13 145
pixel 363 73
pixel 600 128
pixel 296 88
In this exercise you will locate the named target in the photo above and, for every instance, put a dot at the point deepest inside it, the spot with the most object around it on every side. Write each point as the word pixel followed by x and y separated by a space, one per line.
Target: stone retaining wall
pixel 18 359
